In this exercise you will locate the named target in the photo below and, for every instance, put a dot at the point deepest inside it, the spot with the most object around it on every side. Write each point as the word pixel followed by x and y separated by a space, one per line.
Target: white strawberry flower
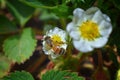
pixel 54 42
pixel 89 29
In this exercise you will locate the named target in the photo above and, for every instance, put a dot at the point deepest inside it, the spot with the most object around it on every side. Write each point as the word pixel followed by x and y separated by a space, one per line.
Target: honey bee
pixel 56 48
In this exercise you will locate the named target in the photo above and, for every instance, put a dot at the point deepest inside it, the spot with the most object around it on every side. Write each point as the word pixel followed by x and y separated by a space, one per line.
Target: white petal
pixel 98 17
pixel 82 46
pixel 55 30
pixel 63 38
pixel 106 17
pixel 91 10
pixel 78 12
pixel 61 33
pixel 45 51
pixel 105 28
pixel 89 13
pixel 49 33
pixel 75 35
pixel 87 17
pixel 70 26
pixel 98 43
pixel 64 46
pixel 80 21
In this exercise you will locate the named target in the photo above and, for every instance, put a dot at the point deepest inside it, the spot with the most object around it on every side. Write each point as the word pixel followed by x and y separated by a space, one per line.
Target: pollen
pixel 57 40
pixel 89 30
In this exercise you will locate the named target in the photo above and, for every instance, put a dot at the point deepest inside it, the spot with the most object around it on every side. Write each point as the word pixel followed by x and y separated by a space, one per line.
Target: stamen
pixel 57 40
pixel 89 30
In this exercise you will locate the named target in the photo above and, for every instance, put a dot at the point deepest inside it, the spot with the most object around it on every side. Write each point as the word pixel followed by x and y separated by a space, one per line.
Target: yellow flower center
pixel 56 40
pixel 89 30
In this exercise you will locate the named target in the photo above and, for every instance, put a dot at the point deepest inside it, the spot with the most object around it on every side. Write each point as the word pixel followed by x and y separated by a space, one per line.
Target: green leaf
pixel 6 26
pixel 68 62
pixel 19 76
pixel 21 11
pixel 76 1
pixel 20 47
pixel 33 3
pixel 4 65
pixel 48 16
pixel 85 4
pixel 41 3
pixel 61 10
pixel 61 75
pixel 55 7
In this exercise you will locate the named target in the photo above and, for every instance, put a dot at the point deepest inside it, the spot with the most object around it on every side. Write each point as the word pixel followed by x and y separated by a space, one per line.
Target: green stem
pixel 70 46
pixel 63 23
pixel 48 7
pixel 79 55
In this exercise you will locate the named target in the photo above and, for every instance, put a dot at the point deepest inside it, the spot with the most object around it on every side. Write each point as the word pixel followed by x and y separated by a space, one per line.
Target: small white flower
pixel 54 42
pixel 89 29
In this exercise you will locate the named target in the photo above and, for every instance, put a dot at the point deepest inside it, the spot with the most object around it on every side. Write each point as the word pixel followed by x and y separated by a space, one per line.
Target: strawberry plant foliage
pixel 20 11
pixel 4 65
pixel 19 76
pixel 20 47
pixel 6 26
pixel 61 75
